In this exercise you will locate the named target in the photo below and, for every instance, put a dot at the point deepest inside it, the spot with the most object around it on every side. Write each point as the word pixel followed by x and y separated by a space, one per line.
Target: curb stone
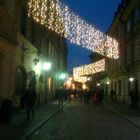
pixel 39 125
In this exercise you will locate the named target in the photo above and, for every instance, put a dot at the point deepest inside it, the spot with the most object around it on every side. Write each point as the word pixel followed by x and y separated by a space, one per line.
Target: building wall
pixel 124 29
pixel 8 44
pixel 21 41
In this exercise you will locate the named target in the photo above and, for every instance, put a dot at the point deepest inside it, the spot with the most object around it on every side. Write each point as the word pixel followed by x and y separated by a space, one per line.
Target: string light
pixel 80 73
pixel 59 18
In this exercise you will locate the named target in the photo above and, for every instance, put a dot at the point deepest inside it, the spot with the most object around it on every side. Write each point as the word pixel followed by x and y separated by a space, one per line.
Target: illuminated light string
pixel 80 73
pixel 59 18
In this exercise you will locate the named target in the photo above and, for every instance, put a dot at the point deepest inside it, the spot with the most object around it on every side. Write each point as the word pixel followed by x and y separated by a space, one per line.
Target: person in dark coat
pixel 113 95
pixel 100 96
pixel 29 99
pixel 95 97
pixel 60 95
pixel 134 96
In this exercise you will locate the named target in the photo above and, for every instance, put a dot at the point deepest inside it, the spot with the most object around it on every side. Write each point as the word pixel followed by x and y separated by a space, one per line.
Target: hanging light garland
pixel 45 13
pixel 59 18
pixel 80 73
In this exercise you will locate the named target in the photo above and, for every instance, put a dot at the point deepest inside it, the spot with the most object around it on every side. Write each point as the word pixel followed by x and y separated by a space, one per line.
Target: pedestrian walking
pixel 29 99
pixel 100 96
pixel 95 97
pixel 134 97
pixel 60 95
pixel 113 95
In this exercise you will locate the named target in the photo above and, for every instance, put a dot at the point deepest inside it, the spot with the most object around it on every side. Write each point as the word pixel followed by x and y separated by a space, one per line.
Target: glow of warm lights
pixel 84 86
pixel 68 84
pixel 59 18
pixel 80 73
pixel 73 86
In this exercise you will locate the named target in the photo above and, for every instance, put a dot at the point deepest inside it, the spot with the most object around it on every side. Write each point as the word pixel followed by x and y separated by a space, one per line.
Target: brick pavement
pixel 129 114
pixel 19 128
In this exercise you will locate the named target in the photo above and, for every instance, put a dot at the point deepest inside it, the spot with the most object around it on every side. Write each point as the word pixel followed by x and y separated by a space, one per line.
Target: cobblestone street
pixel 78 121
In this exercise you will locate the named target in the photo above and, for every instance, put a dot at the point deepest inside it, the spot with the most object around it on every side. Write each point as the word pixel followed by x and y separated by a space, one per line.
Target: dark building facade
pixel 123 74
pixel 25 46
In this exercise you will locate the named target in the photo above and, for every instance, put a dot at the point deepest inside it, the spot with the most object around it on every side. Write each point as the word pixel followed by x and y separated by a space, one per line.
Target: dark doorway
pixel 20 80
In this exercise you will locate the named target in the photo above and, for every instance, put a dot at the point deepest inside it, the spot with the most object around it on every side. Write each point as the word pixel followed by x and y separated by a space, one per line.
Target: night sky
pixel 98 13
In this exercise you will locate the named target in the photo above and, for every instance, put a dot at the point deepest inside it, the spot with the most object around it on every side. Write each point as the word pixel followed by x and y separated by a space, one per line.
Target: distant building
pixel 100 79
pixel 24 47
pixel 124 73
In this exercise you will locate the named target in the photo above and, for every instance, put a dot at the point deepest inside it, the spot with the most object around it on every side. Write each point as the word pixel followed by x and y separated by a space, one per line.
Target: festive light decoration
pixel 59 18
pixel 45 12
pixel 108 48
pixel 80 73
pixel 81 79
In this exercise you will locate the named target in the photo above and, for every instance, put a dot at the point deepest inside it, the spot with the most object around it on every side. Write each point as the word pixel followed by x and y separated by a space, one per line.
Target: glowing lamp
pixel 46 66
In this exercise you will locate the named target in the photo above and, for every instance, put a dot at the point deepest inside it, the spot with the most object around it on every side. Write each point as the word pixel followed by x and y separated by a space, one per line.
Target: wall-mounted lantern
pixel 98 84
pixel 107 82
pixel 131 79
pixel 36 60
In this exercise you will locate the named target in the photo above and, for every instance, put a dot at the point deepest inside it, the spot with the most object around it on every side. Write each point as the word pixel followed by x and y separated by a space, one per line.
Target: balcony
pixel 8 26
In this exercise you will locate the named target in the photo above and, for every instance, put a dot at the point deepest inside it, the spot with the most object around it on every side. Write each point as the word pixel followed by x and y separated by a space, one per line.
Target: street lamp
pixel 46 66
pixel 107 82
pixel 89 79
pixel 63 76
pixel 131 79
pixel 98 84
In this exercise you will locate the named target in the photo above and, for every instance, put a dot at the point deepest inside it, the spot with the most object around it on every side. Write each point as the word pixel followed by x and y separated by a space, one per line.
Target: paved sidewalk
pixel 20 128
pixel 129 114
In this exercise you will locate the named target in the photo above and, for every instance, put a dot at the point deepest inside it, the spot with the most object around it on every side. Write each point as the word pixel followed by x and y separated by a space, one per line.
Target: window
pixel 128 26
pixel 129 56
pixel 136 48
pixel 119 32
pixel 136 15
pixel 23 21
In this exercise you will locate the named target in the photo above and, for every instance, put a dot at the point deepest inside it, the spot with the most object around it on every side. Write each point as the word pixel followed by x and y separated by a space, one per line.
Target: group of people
pixel 96 96
pixel 29 98
pixel 27 101
pixel 62 95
